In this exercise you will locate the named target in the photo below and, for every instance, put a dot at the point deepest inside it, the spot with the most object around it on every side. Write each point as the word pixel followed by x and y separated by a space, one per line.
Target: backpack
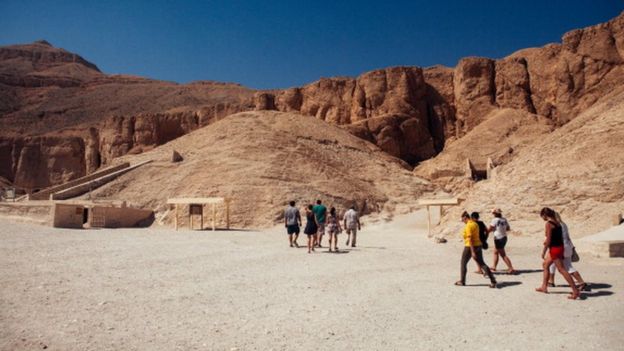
pixel 483 234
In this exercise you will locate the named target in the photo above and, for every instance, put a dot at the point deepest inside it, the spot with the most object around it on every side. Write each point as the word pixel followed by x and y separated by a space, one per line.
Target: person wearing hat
pixel 500 226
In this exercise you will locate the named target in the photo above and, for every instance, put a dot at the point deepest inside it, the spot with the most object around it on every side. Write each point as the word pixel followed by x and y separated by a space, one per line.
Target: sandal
pixel 493 285
pixel 459 283
pixel 541 290
pixel 551 285
pixel 574 296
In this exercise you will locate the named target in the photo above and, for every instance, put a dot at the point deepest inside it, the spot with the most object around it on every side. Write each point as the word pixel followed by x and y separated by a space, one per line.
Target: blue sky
pixel 279 44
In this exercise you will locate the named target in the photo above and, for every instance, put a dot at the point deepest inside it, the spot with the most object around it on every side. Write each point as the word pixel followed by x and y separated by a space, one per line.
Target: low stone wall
pixel 68 216
pixel 120 217
pixel 45 193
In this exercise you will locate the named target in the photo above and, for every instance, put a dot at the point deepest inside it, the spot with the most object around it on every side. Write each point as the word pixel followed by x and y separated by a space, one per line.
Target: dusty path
pixel 164 290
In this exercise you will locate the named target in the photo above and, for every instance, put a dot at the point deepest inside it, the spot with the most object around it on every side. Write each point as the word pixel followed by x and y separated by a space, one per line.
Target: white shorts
pixel 567 264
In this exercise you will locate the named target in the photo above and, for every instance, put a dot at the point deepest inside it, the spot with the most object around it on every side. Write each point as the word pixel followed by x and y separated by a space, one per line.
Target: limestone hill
pixel 577 169
pixel 263 159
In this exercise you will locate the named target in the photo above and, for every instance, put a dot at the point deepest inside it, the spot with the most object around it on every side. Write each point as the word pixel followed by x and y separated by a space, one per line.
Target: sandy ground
pixel 158 289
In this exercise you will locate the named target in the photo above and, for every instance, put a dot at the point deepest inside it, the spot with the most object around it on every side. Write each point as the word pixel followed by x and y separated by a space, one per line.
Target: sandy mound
pixel 262 160
pixel 500 136
pixel 578 170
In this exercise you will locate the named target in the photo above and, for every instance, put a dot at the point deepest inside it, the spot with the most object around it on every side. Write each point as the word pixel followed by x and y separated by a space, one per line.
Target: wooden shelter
pixel 437 205
pixel 196 208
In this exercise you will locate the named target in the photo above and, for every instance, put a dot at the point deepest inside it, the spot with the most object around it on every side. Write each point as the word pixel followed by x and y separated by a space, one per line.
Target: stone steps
pixel 84 187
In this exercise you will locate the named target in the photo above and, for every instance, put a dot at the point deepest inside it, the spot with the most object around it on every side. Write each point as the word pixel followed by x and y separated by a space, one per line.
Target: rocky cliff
pixel 409 112
pixel 414 112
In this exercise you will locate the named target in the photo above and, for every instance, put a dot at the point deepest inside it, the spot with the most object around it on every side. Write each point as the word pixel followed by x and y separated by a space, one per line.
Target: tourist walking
pixel 554 246
pixel 352 225
pixel 568 251
pixel 483 235
pixel 320 212
pixel 472 249
pixel 292 221
pixel 311 227
pixel 333 229
pixel 500 226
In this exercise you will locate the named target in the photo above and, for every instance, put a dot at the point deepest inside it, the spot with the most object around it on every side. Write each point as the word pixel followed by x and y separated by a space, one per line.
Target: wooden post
pixel 428 220
pixel 201 222
pixel 190 212
pixel 176 216
pixel 227 213
pixel 214 215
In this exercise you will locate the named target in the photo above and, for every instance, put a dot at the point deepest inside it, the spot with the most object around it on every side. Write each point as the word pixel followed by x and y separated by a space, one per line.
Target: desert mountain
pixel 577 169
pixel 263 159
pixel 62 118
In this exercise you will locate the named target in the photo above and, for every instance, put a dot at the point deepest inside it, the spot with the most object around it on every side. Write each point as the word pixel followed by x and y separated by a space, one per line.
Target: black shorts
pixel 292 229
pixel 500 243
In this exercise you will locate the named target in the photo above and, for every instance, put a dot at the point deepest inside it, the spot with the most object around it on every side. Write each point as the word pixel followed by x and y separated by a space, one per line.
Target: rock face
pixel 474 90
pixel 54 159
pixel 122 135
pixel 409 112
pixel 246 157
pixel 387 107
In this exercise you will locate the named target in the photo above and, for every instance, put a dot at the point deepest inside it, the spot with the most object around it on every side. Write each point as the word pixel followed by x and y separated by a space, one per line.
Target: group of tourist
pixel 318 221
pixel 557 252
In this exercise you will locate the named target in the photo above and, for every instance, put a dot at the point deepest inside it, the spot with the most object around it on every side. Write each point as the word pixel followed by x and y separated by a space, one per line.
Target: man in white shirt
pixel 352 225
pixel 292 222
pixel 500 226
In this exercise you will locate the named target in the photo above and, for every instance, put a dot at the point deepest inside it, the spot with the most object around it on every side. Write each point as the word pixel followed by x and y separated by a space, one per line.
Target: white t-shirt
pixel 352 218
pixel 567 242
pixel 500 227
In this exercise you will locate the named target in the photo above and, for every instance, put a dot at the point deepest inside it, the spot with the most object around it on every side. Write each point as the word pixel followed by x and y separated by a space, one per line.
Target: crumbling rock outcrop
pixel 401 136
pixel 409 112
pixel 475 90
pixel 440 99
pixel 37 162
pixel 121 135
pixel 396 95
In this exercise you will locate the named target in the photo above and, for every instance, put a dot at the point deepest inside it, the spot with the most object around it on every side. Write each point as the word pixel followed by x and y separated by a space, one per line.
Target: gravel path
pixel 158 289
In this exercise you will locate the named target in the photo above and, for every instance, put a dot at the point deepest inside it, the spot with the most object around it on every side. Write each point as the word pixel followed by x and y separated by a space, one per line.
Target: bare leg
pixel 348 237
pixel 494 260
pixel 290 240
pixel 320 240
pixel 295 241
pixel 354 239
pixel 503 254
pixel 310 243
pixel 545 265
pixel 568 278
pixel 578 277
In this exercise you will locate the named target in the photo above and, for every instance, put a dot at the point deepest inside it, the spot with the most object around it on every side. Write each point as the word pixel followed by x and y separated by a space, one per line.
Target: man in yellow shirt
pixel 472 249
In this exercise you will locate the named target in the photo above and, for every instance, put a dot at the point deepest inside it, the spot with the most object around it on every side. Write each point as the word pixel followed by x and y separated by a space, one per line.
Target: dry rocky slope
pixel 577 169
pixel 64 118
pixel 263 159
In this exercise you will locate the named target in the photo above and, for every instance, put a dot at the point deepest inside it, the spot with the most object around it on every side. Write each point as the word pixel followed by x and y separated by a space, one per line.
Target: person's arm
pixel 471 231
pixel 285 220
pixel 358 222
pixel 299 218
pixel 548 230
